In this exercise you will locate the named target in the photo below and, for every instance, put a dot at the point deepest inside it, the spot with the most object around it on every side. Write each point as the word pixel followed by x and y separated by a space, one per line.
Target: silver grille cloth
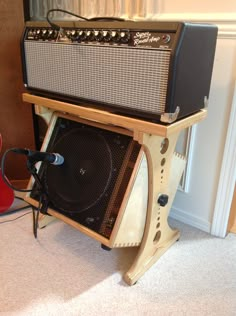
pixel 125 77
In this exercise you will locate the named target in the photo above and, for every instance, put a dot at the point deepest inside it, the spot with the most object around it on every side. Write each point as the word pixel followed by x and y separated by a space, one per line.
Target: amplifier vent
pixel 126 77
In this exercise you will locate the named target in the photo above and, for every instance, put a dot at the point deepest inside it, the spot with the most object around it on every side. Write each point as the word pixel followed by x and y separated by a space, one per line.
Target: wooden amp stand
pixel 165 168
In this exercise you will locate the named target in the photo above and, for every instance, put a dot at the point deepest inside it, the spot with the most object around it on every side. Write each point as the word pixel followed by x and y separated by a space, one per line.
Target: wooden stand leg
pixel 165 169
pixel 44 220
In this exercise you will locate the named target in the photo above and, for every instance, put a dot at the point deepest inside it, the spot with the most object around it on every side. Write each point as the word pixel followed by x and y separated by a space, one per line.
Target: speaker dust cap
pixel 83 178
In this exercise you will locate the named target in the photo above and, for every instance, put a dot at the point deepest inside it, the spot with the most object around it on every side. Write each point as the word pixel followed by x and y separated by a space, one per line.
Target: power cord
pixel 15 210
pixel 58 28
pixel 14 219
pixel 20 198
pixel 107 18
pixel 35 212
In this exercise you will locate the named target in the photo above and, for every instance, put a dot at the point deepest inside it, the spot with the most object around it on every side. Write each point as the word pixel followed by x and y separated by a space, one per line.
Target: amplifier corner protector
pixel 206 102
pixel 170 117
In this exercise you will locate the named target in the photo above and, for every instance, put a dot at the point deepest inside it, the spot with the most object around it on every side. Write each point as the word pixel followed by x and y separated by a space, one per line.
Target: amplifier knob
pixel 106 36
pixel 98 35
pixel 90 35
pixel 67 33
pixel 73 35
pixel 81 36
pixel 44 34
pixel 124 37
pixel 31 34
pixel 52 34
pixel 115 36
pixel 38 34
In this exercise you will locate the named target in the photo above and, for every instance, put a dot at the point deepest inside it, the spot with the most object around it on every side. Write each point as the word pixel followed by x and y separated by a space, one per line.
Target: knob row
pixel 98 35
pixel 81 35
pixel 42 34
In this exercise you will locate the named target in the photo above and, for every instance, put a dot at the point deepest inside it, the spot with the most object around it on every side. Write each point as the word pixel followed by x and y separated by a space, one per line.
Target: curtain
pixel 139 9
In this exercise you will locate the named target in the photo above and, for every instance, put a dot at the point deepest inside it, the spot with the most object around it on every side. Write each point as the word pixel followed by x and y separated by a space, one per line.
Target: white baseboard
pixel 190 219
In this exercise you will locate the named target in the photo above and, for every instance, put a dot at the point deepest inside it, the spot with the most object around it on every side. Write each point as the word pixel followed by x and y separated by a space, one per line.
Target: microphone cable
pixel 43 197
pixel 3 161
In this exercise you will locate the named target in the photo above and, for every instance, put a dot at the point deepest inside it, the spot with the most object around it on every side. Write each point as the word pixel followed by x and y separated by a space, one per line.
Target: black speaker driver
pixel 82 180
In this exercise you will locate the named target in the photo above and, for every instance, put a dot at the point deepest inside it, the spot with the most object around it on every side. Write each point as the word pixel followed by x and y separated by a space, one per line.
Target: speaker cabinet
pixel 102 186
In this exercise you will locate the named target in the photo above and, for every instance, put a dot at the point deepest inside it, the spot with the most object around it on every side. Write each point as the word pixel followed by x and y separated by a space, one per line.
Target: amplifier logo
pixel 146 38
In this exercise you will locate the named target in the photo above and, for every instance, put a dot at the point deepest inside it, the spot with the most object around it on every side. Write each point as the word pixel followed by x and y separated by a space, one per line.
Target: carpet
pixel 64 272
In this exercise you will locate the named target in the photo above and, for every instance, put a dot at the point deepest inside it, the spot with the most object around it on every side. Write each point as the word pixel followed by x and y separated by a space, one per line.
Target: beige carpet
pixel 64 272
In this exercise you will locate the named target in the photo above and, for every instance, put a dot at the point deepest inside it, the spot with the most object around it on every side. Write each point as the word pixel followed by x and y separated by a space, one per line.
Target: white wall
pixel 197 206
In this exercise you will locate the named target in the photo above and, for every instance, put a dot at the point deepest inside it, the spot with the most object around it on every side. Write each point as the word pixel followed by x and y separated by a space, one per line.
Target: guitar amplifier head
pixel 160 71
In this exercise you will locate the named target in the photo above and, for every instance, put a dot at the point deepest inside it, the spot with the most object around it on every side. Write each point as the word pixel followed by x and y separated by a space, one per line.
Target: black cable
pixel 15 150
pixel 57 27
pixel 17 209
pixel 14 219
pixel 20 198
pixel 107 18
pixel 35 221
pixel 30 167
pixel 43 201
pixel 36 212
pixel 8 212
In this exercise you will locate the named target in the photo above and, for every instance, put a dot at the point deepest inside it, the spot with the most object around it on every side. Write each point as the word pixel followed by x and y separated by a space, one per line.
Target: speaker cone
pixel 85 175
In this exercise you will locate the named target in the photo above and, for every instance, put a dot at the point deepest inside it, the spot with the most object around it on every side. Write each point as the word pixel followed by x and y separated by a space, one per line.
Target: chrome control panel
pixel 149 39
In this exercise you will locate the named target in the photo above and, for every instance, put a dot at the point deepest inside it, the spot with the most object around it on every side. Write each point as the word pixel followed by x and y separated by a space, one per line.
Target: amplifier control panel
pixel 123 37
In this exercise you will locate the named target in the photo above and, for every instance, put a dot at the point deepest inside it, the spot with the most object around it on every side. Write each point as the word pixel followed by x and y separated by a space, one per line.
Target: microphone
pixel 53 158
pixel 35 156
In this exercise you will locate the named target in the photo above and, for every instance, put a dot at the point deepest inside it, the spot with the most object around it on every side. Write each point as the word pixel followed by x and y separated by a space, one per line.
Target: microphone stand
pixel 31 161
pixel 43 201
